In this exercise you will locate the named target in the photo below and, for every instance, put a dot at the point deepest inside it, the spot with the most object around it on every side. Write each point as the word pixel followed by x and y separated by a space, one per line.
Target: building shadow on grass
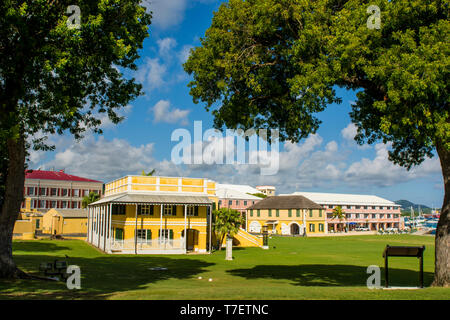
pixel 330 275
pixel 36 246
pixel 101 277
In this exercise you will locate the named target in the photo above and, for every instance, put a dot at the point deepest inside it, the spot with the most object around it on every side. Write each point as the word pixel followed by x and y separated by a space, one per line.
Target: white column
pixel 92 225
pixel 160 227
pixel 210 228
pixel 97 218
pixel 109 228
pixel 94 212
pixel 102 229
pixel 135 231
pixel 99 233
pixel 185 235
pixel 106 223
pixel 88 223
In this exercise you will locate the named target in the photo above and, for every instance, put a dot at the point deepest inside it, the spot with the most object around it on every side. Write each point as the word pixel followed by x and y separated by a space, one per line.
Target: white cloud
pixel 162 112
pixel 107 160
pixel 166 46
pixel 166 13
pixel 349 132
pixel 151 74
pixel 382 172
pixel 183 55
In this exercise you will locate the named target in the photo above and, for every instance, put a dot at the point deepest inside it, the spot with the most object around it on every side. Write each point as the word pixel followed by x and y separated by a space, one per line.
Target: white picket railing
pixel 142 244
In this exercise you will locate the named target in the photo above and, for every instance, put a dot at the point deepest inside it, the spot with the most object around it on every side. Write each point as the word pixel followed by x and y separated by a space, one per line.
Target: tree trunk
pixel 10 208
pixel 442 240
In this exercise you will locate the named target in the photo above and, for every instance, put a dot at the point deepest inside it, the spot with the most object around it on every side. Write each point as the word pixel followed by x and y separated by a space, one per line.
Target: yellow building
pixel 68 223
pixel 28 223
pixel 287 215
pixel 153 215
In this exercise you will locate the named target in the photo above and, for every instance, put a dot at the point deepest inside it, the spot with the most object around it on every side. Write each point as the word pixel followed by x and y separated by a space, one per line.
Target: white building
pixel 367 211
pixel 267 190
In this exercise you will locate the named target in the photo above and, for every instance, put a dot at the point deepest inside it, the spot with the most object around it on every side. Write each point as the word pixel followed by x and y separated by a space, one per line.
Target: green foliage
pixel 151 173
pixel 260 195
pixel 56 79
pixel 276 64
pixel 338 213
pixel 226 222
pixel 91 198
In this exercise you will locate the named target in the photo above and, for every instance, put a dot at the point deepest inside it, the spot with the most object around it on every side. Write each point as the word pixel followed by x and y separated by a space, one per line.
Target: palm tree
pixel 92 197
pixel 226 223
pixel 338 213
pixel 148 174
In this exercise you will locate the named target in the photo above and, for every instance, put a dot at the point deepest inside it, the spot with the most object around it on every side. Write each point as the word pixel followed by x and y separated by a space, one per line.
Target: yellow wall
pixel 165 184
pixel 318 217
pixel 53 221
pixel 26 224
pixel 127 223
pixel 74 225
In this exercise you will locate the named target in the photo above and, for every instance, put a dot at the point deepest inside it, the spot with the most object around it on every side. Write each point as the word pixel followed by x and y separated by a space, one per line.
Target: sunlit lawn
pixel 293 268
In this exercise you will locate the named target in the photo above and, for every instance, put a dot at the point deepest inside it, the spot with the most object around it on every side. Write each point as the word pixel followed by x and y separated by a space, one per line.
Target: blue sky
pixel 329 161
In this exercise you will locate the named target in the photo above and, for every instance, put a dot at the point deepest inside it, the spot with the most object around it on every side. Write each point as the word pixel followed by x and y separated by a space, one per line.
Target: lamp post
pixel 265 237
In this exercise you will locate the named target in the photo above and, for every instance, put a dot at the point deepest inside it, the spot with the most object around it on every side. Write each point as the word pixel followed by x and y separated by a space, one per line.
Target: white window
pixel 42 204
pixel 170 210
pixel 143 235
pixel 64 204
pixel 53 204
pixel 64 192
pixel 76 193
pixel 255 227
pixel 192 211
pixel 31 191
pixel 53 192
pixel 146 210
pixel 42 191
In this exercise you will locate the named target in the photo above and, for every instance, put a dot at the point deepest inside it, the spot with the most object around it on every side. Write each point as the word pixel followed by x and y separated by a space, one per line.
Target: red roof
pixel 55 175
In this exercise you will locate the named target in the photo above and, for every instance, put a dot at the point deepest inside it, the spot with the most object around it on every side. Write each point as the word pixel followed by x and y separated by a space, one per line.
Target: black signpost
pixel 403 252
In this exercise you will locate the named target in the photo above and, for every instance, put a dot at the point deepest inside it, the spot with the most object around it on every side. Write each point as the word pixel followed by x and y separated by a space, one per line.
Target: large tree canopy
pixel 277 63
pixel 56 77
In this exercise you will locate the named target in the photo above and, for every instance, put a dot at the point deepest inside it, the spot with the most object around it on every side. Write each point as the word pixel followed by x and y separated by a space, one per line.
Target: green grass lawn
pixel 293 268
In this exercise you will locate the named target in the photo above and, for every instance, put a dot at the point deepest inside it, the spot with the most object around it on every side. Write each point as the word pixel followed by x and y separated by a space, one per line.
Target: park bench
pixel 400 251
pixel 57 268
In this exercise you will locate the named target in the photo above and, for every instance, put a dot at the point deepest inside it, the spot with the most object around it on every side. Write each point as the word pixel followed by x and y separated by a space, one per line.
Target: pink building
pixel 365 211
pixel 236 197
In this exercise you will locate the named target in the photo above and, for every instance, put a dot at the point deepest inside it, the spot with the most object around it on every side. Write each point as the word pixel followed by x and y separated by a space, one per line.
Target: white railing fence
pixel 143 244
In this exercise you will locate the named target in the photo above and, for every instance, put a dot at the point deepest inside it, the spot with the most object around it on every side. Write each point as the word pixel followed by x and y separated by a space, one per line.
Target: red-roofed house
pixel 57 189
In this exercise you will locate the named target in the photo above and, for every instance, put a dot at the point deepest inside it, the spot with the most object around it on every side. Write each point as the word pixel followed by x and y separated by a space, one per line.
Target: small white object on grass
pixel 158 268
pixel 210 279
pixel 199 278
